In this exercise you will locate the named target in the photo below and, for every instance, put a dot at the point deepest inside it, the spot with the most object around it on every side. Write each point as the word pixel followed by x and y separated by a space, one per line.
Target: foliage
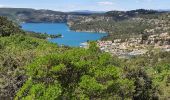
pixel 17 49
pixel 7 27
pixel 116 29
pixel 80 75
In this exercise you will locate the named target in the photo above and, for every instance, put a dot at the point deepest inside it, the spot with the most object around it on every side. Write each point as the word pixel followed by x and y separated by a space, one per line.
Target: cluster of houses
pixel 135 46
pixel 161 41
pixel 123 49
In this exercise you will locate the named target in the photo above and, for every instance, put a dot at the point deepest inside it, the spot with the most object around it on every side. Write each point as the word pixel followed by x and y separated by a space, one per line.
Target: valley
pixel 132 62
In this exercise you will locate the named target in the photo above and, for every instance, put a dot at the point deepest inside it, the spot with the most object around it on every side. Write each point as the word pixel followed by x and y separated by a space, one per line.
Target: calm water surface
pixel 70 38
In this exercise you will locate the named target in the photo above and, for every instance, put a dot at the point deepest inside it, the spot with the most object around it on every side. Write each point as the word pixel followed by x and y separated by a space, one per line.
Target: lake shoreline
pixel 71 38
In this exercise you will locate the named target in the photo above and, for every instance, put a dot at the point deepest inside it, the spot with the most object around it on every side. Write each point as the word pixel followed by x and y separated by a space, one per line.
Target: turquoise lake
pixel 70 38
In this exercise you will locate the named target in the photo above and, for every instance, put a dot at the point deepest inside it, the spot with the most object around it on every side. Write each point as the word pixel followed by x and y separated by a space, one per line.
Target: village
pixel 135 46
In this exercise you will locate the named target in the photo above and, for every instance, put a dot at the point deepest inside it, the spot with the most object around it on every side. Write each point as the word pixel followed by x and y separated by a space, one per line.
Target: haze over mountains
pixel 89 11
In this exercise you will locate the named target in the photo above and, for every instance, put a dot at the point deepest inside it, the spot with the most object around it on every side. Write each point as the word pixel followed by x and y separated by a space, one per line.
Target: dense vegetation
pixel 121 15
pixel 75 74
pixel 43 35
pixel 17 50
pixel 32 68
pixel 8 28
pixel 116 29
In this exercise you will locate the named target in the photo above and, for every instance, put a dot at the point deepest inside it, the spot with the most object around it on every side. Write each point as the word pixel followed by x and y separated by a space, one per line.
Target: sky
pixel 94 5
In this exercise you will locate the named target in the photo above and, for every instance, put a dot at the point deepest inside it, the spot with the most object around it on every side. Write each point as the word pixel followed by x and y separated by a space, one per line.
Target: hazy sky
pixel 96 5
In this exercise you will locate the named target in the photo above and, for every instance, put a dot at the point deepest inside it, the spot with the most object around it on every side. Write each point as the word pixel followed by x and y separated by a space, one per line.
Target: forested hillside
pixel 32 68
pixel 124 24
pixel 32 15
pixel 8 28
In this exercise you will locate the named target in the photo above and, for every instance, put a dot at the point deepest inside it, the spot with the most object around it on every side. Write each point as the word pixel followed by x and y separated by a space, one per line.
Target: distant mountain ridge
pixel 89 11
pixel 43 15
pixel 164 10
pixel 32 15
